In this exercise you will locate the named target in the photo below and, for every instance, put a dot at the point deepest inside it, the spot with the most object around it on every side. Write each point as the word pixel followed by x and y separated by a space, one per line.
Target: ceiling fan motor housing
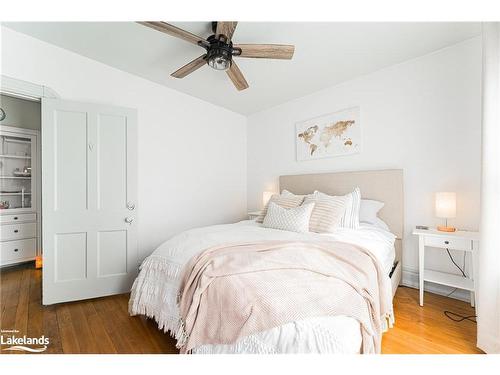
pixel 219 53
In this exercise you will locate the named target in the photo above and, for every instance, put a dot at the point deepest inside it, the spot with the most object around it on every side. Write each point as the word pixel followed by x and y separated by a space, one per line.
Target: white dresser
pixel 19 195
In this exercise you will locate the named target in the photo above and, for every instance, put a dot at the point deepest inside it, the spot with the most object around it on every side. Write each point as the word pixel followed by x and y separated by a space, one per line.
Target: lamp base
pixel 443 228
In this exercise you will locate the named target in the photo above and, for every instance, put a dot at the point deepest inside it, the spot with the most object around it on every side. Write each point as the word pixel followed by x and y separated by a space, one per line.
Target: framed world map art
pixel 335 134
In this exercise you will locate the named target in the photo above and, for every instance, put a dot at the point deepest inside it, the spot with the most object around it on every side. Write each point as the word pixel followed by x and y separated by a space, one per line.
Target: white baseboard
pixel 410 279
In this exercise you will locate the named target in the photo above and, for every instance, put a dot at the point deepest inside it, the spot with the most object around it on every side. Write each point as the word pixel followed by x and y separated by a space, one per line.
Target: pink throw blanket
pixel 235 290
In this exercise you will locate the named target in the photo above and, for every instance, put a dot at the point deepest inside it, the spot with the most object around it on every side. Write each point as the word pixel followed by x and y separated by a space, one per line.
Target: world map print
pixel 331 135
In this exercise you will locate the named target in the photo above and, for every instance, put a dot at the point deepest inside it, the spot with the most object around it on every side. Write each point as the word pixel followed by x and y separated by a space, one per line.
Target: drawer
pixel 449 243
pixel 12 219
pixel 17 231
pixel 13 251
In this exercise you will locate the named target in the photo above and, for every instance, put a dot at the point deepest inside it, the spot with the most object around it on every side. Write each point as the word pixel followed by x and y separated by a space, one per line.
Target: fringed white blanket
pixel 154 293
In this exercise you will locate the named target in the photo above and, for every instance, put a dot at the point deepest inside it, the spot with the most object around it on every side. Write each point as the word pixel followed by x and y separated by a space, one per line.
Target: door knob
pixel 130 206
pixel 129 220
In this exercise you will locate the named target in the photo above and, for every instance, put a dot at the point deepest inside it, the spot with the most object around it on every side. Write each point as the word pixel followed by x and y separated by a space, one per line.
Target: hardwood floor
pixel 103 325
pixel 426 330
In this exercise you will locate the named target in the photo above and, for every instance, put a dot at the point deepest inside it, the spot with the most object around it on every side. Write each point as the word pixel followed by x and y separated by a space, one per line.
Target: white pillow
pixel 351 214
pixel 368 211
pixel 292 219
pixel 379 223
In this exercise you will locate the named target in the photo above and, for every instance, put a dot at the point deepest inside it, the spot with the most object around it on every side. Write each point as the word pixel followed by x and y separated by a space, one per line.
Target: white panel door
pixel 89 200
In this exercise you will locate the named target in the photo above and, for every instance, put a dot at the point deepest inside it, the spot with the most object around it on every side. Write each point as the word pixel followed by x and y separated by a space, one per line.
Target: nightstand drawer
pixel 13 251
pixel 449 243
pixel 18 231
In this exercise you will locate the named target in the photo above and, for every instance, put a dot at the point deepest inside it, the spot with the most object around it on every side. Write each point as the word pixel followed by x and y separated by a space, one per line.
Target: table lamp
pixel 446 208
pixel 266 196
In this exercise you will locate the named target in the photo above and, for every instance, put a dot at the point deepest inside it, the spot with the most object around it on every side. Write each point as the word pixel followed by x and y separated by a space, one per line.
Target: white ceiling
pixel 325 54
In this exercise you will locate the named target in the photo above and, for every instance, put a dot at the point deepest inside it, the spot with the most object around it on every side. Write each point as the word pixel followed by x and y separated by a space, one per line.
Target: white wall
pixel 422 116
pixel 192 154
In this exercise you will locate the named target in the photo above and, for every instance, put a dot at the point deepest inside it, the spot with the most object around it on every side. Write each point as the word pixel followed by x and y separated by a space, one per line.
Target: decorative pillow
pixel 368 211
pixel 285 201
pixel 351 214
pixel 327 213
pixel 292 219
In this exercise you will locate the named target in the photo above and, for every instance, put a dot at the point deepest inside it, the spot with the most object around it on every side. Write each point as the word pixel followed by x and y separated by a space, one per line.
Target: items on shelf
pixel 15 171
pixel 26 172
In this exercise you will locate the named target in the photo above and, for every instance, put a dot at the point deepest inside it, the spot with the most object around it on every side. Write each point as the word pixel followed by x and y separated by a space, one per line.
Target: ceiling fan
pixel 220 50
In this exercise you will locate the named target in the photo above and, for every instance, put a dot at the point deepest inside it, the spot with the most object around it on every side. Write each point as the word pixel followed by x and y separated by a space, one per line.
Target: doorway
pixel 20 193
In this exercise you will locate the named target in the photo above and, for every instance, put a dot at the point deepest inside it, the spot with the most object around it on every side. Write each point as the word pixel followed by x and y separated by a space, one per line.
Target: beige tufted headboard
pixel 383 185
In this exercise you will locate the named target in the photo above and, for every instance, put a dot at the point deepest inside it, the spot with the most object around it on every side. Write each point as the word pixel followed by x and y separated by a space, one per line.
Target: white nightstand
pixel 253 215
pixel 459 240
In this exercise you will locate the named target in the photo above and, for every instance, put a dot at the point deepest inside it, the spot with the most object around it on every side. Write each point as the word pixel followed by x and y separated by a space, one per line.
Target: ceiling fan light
pixel 219 56
pixel 219 62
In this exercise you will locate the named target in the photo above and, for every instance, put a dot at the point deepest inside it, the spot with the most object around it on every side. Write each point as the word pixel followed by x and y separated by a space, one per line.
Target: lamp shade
pixel 446 205
pixel 266 195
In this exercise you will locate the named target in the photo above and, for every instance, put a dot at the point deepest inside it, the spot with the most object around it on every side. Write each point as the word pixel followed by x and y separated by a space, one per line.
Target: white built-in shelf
pixel 14 156
pixel 16 140
pixel 448 279
pixel 15 194
pixel 15 178
pixel 19 149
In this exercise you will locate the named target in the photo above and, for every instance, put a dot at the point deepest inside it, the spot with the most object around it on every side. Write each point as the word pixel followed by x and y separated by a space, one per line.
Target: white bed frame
pixel 382 185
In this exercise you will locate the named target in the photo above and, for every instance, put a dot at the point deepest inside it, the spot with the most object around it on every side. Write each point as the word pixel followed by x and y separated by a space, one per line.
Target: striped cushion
pixel 285 201
pixel 327 213
pixel 351 215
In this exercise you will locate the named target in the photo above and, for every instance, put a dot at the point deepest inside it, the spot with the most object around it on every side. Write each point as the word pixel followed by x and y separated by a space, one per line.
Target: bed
pixel 156 290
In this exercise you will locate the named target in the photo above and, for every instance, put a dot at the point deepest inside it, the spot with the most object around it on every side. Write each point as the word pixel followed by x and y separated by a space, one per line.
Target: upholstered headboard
pixel 383 185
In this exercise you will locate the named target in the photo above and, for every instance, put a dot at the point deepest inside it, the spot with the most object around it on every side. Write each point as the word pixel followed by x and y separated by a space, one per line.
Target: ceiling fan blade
pixel 226 28
pixel 266 51
pixel 173 31
pixel 190 67
pixel 236 76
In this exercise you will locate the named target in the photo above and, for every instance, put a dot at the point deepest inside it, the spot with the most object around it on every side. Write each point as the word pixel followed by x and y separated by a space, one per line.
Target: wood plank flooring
pixel 103 325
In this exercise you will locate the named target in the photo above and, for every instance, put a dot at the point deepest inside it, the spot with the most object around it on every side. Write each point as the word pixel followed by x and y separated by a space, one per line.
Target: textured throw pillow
pixel 285 201
pixel 292 219
pixel 368 211
pixel 327 213
pixel 351 215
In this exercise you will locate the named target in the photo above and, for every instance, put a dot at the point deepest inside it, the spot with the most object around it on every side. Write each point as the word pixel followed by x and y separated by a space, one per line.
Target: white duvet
pixel 154 292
